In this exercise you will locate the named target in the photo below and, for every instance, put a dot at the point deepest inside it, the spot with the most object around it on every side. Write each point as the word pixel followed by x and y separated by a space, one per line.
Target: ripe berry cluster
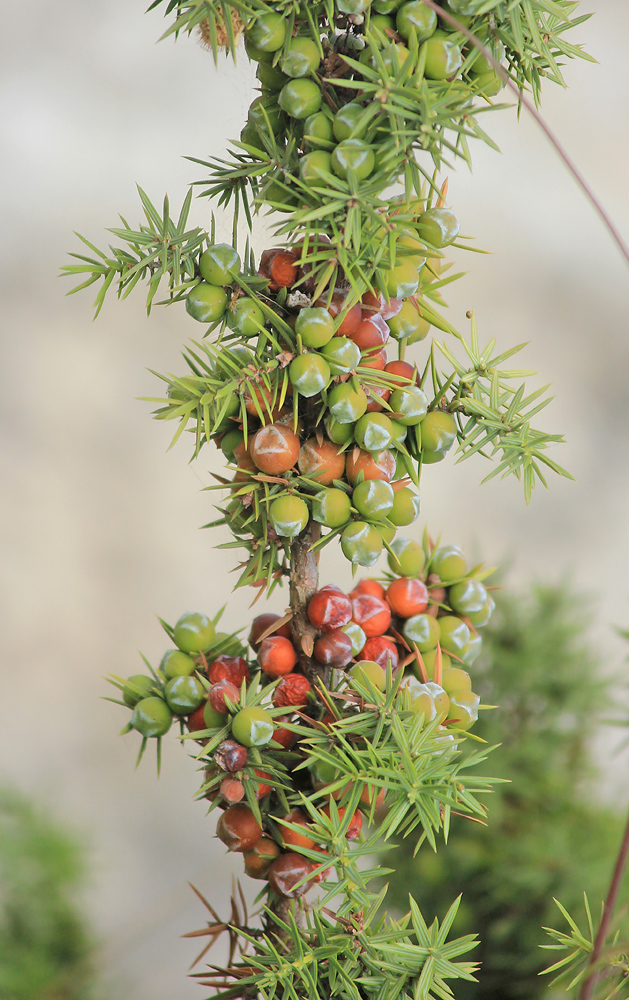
pixel 250 715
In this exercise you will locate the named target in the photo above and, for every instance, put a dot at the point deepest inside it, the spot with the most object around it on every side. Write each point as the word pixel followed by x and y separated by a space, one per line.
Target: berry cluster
pixel 337 137
pixel 335 425
pixel 251 716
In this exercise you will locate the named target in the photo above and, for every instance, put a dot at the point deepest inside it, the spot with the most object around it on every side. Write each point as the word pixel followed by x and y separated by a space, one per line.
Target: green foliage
pixel 44 949
pixel 365 956
pixel 543 837
pixel 610 972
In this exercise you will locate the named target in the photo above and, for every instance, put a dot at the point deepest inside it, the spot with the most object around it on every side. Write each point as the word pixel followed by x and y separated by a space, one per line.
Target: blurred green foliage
pixel 547 835
pixel 44 947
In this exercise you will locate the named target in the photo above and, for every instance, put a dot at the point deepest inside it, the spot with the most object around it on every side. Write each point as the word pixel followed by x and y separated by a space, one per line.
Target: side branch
pixel 532 110
pixel 589 984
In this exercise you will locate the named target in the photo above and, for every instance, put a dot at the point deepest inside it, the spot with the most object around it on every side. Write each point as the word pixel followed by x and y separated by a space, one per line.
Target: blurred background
pixel 100 526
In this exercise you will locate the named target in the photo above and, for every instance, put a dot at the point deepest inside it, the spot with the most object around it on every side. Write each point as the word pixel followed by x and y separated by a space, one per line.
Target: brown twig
pixel 532 110
pixel 590 981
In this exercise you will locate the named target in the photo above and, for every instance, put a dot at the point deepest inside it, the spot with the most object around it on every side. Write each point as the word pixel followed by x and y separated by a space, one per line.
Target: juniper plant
pixel 352 723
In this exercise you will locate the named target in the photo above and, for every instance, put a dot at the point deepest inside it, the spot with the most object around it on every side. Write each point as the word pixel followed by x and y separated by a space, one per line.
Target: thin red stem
pixel 530 107
pixel 589 984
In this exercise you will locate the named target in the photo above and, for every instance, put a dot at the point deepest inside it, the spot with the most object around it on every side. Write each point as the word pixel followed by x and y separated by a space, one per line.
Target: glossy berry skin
pixel 291 838
pixel 438 226
pixel 423 630
pixel 329 610
pixel 331 508
pixel 371 587
pixel 448 562
pixel 373 432
pixel 315 166
pixel 151 717
pixel 346 403
pixel 480 618
pixel 218 263
pixel 367 670
pixel 353 156
pixel 232 790
pixel 267 32
pixel 410 405
pixel 471 649
pixel 454 634
pixel 423 703
pixel 443 58
pixel 334 649
pixel 463 711
pixel 289 516
pixel 302 57
pixel 357 636
pixel 246 317
pixel 137 687
pixel 415 18
pixel 438 433
pixel 371 465
pixel 347 317
pixel 300 98
pixel 274 449
pixel 408 323
pixel 323 461
pixel 284 269
pixel 228 668
pixel 309 374
pixel 291 690
pixel 276 656
pixel 224 696
pixel 454 680
pixel 318 131
pixel 371 332
pixel 184 695
pixel 194 633
pixel 347 122
pixel 402 280
pixel 315 326
pixel 238 828
pixel 230 756
pixel 408 558
pixel 253 727
pixel 440 699
pixel 259 859
pixel 373 498
pixel 371 613
pixel 284 737
pixel 286 872
pixel 212 718
pixel 206 303
pixel 270 77
pixel 467 597
pixel 404 373
pixel 405 508
pixel 196 720
pixel 342 355
pixel 382 650
pixel 407 596
pixel 361 543
pixel 260 625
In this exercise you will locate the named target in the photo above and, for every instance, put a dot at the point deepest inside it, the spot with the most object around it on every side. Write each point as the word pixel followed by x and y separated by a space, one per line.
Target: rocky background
pixel 100 525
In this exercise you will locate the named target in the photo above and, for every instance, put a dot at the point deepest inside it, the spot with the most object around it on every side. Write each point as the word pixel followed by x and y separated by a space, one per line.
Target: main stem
pixel 591 979
pixel 304 582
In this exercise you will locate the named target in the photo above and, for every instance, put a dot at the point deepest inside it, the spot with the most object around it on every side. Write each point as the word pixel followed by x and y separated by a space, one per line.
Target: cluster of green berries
pixel 333 129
